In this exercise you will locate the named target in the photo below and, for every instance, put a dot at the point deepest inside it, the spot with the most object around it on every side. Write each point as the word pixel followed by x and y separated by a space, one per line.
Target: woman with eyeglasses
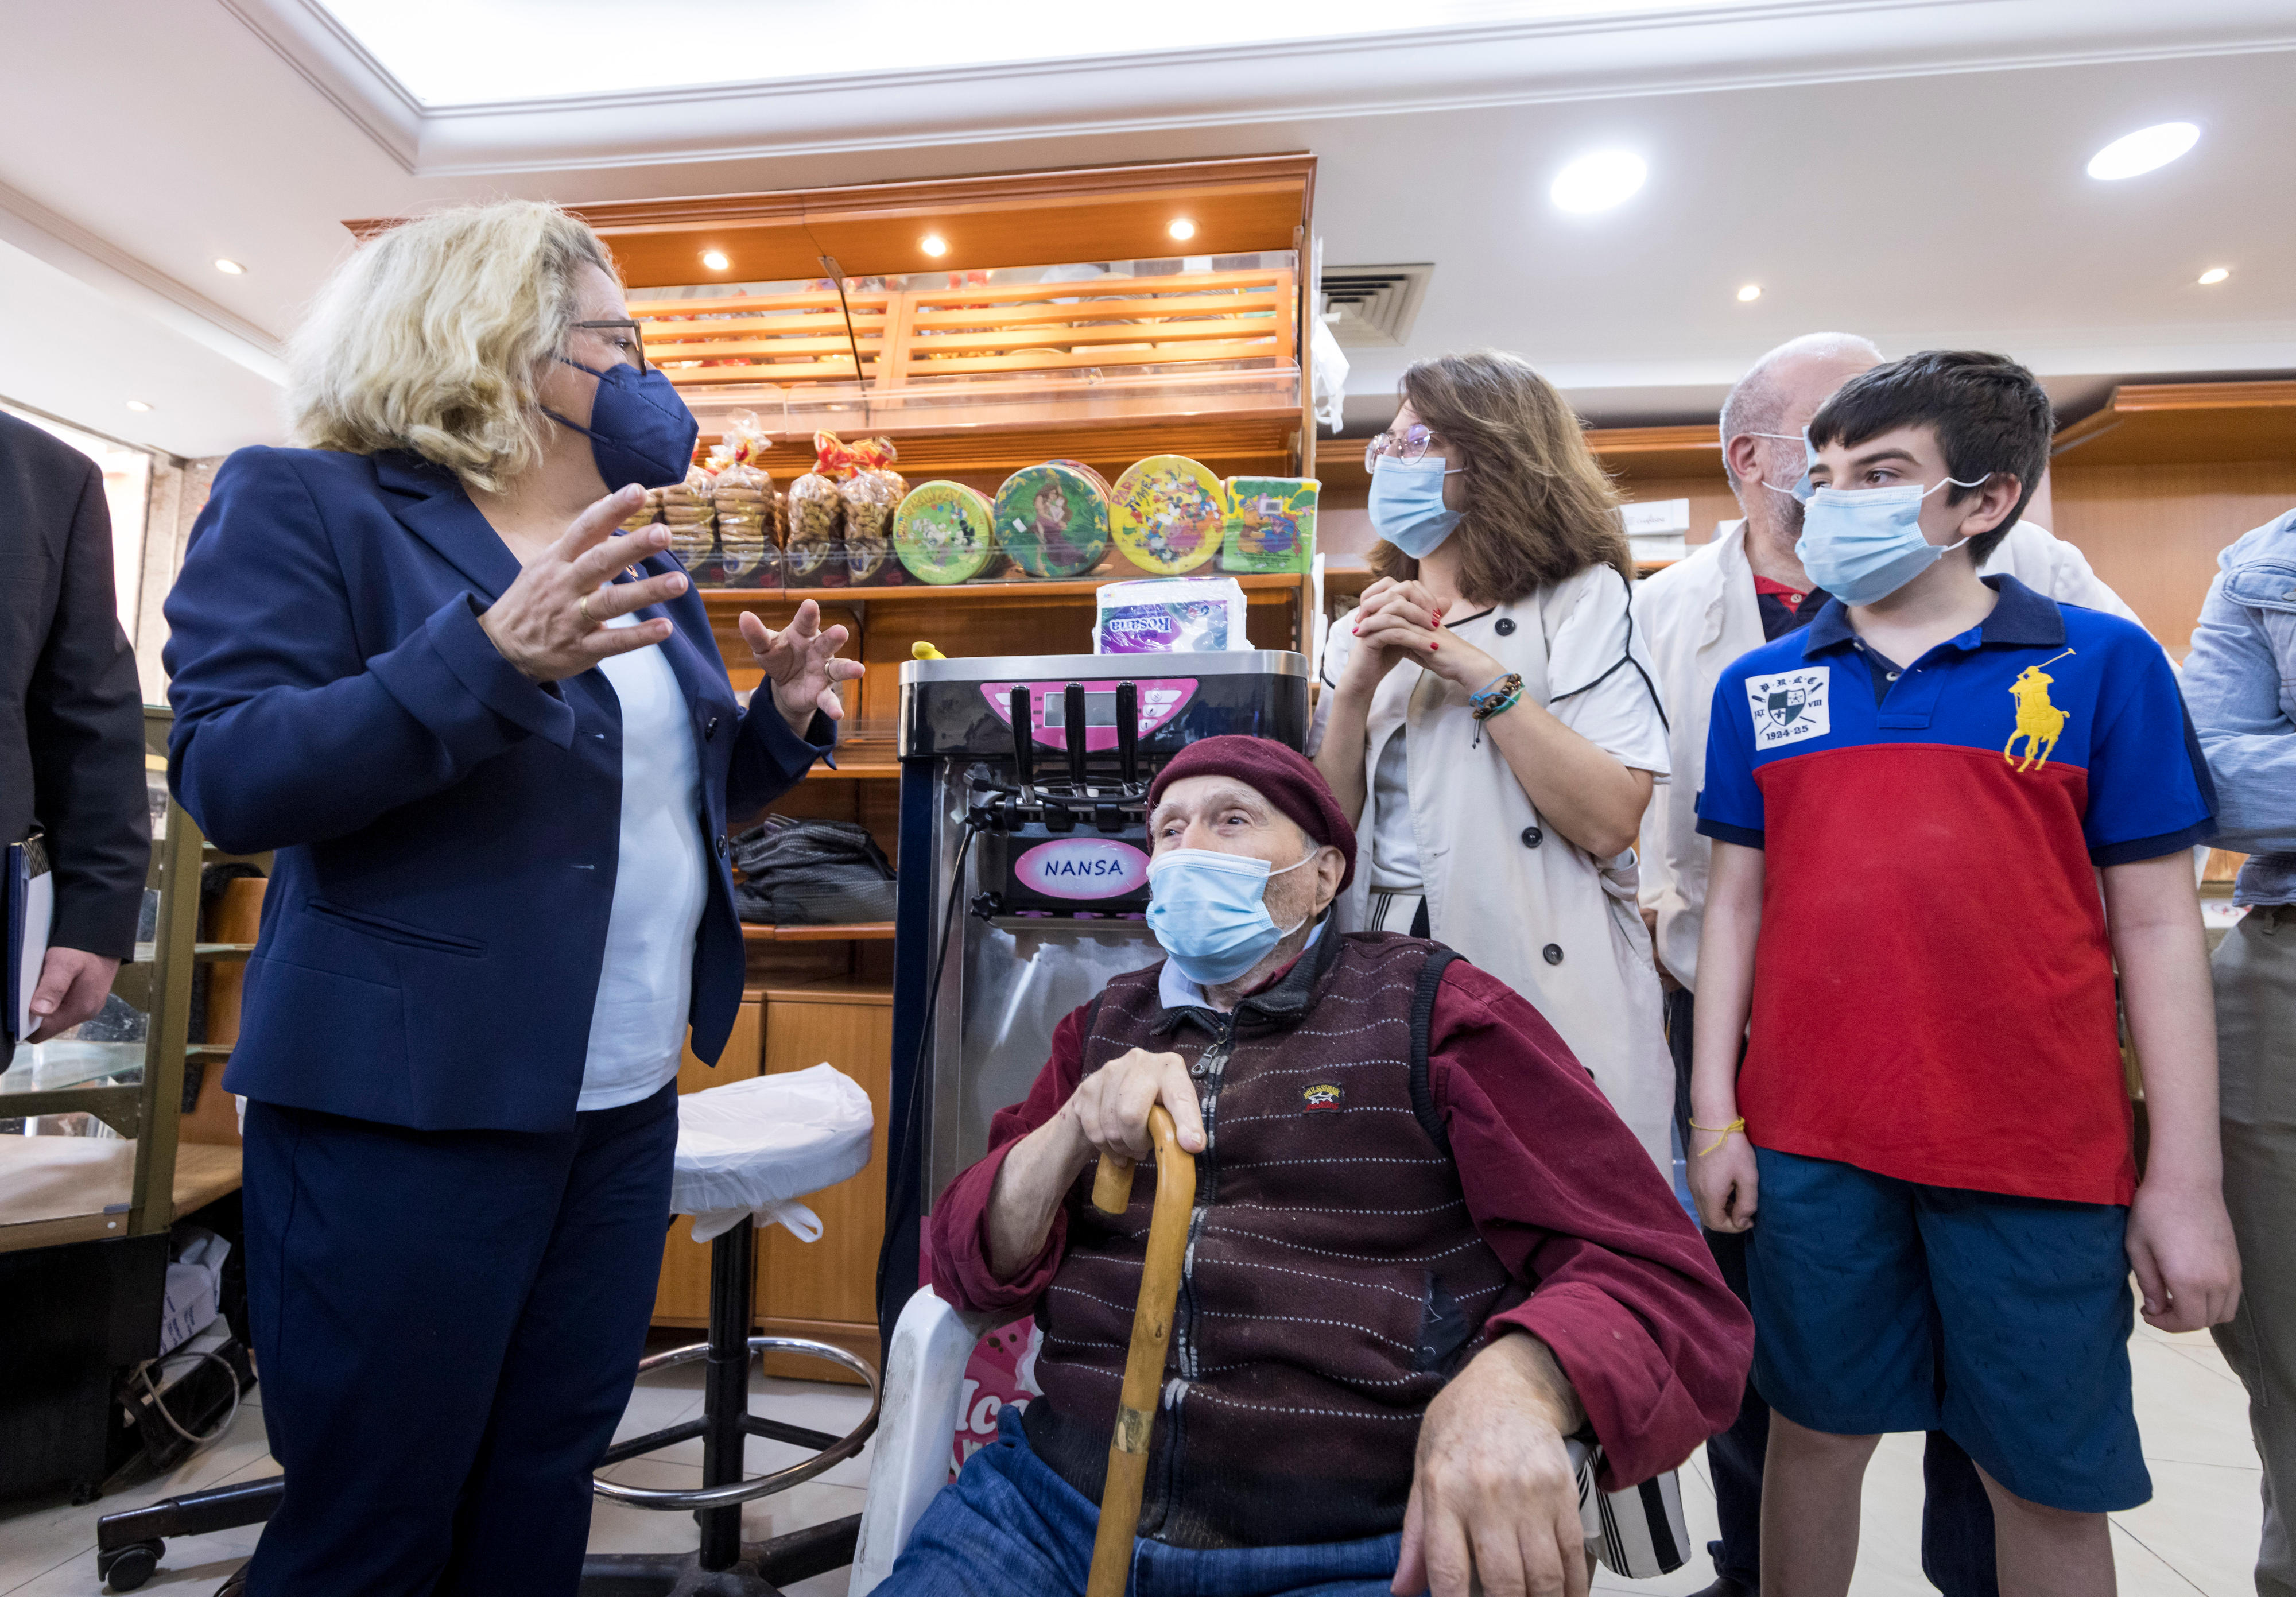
pixel 493 746
pixel 1490 719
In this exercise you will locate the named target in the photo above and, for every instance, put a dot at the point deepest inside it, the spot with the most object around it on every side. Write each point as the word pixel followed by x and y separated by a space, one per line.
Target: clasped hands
pixel 1398 621
pixel 551 623
pixel 1494 1504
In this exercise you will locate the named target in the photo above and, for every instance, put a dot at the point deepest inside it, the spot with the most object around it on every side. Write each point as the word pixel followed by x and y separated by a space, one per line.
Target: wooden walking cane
pixel 1151 1335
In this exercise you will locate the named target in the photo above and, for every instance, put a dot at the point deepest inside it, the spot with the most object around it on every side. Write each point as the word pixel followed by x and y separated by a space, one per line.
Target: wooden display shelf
pixel 850 931
pixel 993 592
pixel 2182 423
pixel 855 771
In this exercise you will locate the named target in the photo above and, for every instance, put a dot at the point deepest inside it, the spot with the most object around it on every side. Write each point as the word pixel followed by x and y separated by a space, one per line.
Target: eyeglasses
pixel 632 343
pixel 1408 445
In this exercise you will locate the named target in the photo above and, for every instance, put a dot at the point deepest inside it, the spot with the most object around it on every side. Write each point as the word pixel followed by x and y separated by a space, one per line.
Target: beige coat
pixel 1700 614
pixel 1503 887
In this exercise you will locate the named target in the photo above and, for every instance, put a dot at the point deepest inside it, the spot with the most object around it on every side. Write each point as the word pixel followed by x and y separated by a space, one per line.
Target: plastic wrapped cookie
pixel 1168 515
pixel 1052 519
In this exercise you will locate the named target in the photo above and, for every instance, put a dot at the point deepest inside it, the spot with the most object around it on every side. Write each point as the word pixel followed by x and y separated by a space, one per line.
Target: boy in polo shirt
pixel 1911 800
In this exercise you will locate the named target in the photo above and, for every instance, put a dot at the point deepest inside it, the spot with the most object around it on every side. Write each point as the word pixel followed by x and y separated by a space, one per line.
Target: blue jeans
pixel 1957 1516
pixel 1009 1525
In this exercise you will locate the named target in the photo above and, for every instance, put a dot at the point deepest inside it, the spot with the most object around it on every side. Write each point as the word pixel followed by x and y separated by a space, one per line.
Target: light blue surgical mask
pixel 1861 545
pixel 1407 504
pixel 1801 490
pixel 1209 911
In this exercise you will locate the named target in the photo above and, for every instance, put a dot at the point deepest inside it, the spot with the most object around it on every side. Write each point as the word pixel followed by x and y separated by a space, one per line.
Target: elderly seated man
pixel 1424 1251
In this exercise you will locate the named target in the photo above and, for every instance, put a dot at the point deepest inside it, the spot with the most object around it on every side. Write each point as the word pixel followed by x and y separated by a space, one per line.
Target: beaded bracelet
pixel 1498 697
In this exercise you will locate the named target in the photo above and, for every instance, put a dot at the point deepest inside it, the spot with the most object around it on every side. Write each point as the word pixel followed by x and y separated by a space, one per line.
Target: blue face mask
pixel 1862 546
pixel 1209 911
pixel 1801 489
pixel 640 431
pixel 1406 504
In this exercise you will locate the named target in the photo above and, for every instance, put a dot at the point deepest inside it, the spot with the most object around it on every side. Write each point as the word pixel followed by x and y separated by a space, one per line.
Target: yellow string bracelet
pixel 1737 1125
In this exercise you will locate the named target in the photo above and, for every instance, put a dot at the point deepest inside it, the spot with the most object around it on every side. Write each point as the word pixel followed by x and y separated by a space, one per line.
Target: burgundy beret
pixel 1282 776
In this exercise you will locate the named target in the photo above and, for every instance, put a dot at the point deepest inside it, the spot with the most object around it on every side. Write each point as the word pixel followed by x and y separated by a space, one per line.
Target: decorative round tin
pixel 1052 519
pixel 1167 514
pixel 945 532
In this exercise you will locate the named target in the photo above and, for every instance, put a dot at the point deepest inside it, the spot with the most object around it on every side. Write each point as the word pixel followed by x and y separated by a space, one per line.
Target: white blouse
pixel 645 985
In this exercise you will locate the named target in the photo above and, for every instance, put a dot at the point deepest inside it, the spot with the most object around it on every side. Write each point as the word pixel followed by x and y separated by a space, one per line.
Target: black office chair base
pixel 761 1570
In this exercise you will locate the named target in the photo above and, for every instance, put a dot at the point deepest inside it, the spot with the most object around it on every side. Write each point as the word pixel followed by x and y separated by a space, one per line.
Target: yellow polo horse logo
pixel 2039 723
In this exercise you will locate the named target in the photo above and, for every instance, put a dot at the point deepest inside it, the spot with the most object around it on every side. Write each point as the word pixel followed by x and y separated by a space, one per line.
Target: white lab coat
pixel 1701 614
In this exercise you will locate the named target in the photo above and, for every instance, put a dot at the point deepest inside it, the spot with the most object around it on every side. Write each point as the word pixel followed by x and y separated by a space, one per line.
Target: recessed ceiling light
pixel 1749 293
pixel 2143 150
pixel 932 243
pixel 1182 229
pixel 1598 182
pixel 228 267
pixel 2214 276
pixel 137 405
pixel 715 260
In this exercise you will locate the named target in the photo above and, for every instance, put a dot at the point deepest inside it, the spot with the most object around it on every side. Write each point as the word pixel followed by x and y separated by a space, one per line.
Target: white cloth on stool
pixel 751 1148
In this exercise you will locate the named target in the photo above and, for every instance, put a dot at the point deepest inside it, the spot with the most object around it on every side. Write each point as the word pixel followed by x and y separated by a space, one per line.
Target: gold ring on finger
pixel 583 604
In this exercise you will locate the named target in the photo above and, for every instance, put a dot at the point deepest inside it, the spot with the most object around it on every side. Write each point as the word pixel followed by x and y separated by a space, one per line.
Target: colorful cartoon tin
pixel 945 532
pixel 1167 514
pixel 1271 524
pixel 1052 519
pixel 1098 480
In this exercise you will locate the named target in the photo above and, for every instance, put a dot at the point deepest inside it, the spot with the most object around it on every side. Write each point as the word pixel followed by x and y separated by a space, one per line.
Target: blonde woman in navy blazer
pixel 495 747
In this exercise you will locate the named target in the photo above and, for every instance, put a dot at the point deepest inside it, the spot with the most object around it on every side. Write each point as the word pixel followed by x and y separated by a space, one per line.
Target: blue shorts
pixel 1883 1305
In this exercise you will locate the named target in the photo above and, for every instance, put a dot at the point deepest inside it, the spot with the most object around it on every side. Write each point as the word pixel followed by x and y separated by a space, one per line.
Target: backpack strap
pixel 1422 1020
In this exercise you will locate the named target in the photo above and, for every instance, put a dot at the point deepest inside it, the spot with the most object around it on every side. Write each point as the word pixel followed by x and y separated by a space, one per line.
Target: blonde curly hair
pixel 433 336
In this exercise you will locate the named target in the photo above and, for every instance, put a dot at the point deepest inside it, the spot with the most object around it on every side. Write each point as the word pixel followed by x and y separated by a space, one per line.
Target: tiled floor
pixel 2198 1535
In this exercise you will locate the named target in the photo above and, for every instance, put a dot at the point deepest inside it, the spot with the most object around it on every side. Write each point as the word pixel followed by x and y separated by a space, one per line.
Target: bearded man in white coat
pixel 1726 598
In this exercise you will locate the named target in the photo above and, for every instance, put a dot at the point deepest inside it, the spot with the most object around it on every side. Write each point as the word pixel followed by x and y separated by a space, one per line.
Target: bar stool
pixel 746 1152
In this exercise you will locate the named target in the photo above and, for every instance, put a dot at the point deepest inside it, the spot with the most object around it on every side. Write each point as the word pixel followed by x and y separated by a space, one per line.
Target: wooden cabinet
pixel 682 1297
pixel 827 1288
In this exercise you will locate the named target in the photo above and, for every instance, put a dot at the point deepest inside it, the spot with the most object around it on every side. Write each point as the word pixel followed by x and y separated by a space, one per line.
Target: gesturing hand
pixel 800 661
pixel 551 623
pixel 1494 1500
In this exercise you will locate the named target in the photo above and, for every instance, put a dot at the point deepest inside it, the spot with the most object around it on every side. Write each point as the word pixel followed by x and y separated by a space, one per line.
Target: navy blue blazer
pixel 448 831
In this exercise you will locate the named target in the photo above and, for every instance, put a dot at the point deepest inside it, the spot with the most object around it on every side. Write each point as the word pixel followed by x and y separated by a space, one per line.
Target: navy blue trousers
pixel 1956 1515
pixel 447 1326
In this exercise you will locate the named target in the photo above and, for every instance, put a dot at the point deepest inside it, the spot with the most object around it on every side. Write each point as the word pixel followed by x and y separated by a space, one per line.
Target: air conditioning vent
pixel 1373 307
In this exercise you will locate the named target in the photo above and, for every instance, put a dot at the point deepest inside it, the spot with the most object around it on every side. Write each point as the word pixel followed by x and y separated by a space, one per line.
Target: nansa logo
pixel 1082 868
pixel 1320 1098
pixel 1791 706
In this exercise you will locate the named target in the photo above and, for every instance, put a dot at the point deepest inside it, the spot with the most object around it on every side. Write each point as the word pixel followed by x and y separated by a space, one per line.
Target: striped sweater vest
pixel 1335 1279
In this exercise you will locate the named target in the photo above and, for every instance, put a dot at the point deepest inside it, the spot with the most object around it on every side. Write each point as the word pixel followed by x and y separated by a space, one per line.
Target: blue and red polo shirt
pixel 1933 988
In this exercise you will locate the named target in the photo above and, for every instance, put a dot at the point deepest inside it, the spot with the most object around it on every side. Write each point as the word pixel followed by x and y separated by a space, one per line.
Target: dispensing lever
pixel 1024 738
pixel 1128 733
pixel 1074 706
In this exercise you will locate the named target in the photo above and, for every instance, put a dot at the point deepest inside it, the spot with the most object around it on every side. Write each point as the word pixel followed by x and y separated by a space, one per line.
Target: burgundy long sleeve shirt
pixel 1621 1287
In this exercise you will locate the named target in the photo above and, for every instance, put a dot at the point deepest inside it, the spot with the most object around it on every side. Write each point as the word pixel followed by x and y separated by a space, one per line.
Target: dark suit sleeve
pixel 84 717
pixel 768 757
pixel 286 730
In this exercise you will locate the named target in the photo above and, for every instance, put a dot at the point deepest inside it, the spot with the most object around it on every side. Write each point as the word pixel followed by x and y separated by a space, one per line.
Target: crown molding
pixel 325 56
pixel 1762 44
pixel 40 233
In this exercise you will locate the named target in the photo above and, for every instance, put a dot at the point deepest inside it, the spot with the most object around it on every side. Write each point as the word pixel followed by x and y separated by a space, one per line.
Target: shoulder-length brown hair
pixel 1539 508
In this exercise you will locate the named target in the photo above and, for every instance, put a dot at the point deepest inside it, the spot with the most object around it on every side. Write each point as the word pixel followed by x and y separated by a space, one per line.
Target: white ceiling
pixel 1907 169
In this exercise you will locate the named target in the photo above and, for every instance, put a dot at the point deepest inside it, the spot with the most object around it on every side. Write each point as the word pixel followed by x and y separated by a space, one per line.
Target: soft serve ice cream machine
pixel 1024 874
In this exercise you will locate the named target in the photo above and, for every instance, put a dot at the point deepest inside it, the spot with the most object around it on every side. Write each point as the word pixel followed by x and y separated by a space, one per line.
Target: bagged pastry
pixel 871 491
pixel 690 510
pixel 743 498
